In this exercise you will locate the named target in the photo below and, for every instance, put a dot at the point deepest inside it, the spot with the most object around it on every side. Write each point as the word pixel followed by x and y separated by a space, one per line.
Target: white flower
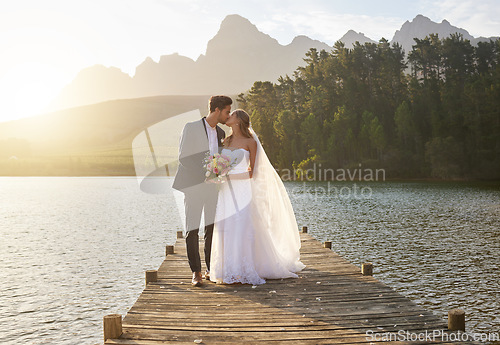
pixel 207 173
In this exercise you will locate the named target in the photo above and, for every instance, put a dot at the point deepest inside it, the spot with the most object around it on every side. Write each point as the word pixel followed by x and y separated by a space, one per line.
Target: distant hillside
pixel 97 138
pixel 107 124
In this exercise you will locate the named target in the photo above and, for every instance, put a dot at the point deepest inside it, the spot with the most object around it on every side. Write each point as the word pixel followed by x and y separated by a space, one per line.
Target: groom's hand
pixel 240 176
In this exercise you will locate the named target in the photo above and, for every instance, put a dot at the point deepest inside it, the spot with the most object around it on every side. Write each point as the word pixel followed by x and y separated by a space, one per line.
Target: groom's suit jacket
pixel 192 150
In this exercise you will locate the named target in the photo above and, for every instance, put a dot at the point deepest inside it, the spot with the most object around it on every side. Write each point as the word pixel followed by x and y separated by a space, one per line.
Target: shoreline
pixel 396 179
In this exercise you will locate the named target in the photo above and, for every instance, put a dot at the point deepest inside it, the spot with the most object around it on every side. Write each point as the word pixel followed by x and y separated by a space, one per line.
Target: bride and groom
pixel 250 229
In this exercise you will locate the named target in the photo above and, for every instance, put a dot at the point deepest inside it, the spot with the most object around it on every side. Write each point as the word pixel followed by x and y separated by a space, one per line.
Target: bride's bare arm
pixel 253 152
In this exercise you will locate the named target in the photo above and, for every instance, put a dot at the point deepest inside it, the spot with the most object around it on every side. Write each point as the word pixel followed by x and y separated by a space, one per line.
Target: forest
pixel 431 113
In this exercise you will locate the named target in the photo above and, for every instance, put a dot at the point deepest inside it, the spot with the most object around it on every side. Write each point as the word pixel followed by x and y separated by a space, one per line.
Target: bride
pixel 255 233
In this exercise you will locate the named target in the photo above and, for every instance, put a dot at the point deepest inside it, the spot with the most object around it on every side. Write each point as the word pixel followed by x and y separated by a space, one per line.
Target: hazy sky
pixel 44 44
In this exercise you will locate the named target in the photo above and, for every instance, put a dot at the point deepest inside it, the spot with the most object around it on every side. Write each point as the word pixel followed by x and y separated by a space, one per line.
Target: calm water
pixel 75 249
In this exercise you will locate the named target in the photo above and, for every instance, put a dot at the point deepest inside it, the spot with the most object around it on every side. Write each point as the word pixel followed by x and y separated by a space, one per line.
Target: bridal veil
pixel 272 210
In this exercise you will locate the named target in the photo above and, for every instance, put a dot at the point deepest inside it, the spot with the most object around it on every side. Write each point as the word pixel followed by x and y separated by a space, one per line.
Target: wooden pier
pixel 331 302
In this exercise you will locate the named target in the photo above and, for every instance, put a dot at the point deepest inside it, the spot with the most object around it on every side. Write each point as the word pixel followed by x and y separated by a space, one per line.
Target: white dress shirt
pixel 212 137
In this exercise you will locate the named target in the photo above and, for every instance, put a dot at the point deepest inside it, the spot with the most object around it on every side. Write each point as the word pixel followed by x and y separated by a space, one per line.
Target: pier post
pixel 112 325
pixel 304 229
pixel 367 269
pixel 151 276
pixel 179 234
pixel 169 250
pixel 328 244
pixel 456 320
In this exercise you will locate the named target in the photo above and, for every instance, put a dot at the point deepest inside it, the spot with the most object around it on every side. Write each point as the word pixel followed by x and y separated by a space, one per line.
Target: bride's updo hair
pixel 244 124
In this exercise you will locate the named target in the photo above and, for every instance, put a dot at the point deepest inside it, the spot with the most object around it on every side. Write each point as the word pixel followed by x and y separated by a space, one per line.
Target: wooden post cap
pixel 112 325
pixel 328 244
pixel 169 250
pixel 456 320
pixel 151 276
pixel 367 269
pixel 304 229
pixel 179 234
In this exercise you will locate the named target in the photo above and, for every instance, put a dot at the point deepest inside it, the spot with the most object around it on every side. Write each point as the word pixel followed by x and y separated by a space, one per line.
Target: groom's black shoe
pixel 207 275
pixel 197 279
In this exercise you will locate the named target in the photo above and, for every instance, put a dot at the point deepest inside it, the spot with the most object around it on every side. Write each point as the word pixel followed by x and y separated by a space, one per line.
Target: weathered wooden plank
pixel 243 337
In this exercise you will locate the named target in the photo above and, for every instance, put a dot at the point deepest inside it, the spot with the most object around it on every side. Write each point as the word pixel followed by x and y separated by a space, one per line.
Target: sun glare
pixel 42 51
pixel 28 88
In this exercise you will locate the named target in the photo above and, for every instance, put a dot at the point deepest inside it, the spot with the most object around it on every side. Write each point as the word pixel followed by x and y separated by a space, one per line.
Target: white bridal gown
pixel 242 247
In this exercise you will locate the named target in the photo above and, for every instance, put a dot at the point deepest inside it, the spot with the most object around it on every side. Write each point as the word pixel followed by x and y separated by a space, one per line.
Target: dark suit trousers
pixel 203 198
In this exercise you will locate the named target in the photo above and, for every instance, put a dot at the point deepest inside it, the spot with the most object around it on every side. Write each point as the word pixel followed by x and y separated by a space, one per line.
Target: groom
pixel 198 138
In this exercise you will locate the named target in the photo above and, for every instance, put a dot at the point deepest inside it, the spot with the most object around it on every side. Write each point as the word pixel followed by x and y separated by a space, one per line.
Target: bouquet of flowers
pixel 217 165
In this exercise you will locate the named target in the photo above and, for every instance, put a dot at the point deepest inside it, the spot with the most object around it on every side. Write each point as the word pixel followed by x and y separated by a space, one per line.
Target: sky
pixel 44 44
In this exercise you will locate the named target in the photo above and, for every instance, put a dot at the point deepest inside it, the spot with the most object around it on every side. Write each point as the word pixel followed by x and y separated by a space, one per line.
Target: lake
pixel 74 249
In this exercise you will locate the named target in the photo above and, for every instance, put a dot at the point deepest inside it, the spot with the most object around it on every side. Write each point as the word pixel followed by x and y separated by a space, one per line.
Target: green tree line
pixel 434 113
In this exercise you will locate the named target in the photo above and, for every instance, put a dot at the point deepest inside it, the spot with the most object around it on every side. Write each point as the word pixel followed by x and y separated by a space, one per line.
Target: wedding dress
pixel 255 233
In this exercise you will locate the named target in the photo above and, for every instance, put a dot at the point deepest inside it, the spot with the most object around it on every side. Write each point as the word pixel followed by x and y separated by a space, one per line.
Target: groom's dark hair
pixel 219 102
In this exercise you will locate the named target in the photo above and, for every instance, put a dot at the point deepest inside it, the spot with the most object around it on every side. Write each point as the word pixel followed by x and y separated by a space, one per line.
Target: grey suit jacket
pixel 192 150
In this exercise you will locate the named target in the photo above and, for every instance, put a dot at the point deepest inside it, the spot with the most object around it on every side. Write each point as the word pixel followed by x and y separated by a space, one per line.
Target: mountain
pixel 236 56
pixel 172 74
pixel 105 108
pixel 421 26
pixel 95 84
pixel 351 37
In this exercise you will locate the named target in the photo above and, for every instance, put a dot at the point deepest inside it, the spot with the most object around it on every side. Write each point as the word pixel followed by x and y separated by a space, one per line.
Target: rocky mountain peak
pixel 351 37
pixel 422 26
